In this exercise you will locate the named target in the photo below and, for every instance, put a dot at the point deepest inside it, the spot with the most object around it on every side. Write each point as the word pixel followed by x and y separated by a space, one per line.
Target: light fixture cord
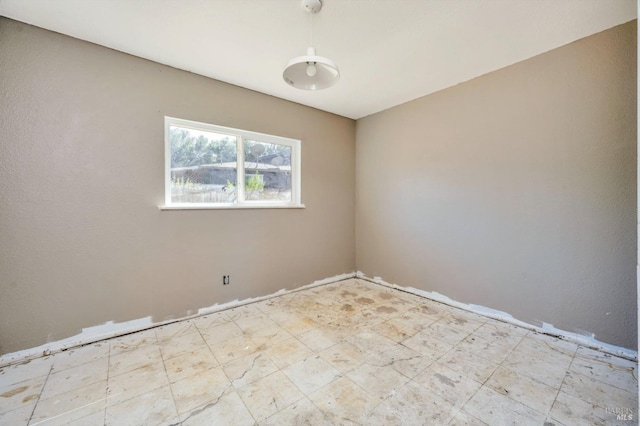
pixel 311 29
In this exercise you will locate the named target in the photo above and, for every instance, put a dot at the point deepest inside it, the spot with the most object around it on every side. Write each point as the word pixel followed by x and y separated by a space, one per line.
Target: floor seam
pixel 562 382
pixel 164 364
pixel 40 394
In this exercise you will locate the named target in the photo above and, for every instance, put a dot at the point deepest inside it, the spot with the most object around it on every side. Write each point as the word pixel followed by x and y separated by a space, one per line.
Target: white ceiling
pixel 388 51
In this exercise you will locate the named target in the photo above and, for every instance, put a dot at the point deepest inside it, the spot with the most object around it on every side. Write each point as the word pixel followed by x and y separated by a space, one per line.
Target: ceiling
pixel 388 51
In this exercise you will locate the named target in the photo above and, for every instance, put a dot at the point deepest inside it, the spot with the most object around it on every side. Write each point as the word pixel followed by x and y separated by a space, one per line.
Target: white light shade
pixel 296 75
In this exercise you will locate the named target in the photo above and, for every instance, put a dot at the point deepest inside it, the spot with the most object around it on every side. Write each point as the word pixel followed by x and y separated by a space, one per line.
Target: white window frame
pixel 240 135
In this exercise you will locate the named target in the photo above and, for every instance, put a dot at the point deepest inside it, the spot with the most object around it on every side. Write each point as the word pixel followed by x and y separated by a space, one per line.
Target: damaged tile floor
pixel 347 353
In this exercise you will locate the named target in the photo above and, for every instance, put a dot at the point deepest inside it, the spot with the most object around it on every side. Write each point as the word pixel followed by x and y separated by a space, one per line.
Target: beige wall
pixel 82 167
pixel 515 191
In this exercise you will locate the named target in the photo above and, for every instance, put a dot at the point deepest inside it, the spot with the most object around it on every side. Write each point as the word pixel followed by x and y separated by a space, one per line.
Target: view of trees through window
pixel 204 168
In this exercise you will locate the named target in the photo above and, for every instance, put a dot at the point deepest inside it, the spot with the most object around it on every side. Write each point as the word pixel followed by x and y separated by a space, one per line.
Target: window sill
pixel 230 206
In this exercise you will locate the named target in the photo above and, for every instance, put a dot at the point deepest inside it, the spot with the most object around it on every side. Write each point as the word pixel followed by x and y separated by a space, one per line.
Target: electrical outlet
pixel 226 279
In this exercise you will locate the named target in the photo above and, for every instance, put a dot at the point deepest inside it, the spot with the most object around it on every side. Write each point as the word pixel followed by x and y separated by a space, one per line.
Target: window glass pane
pixel 203 166
pixel 267 171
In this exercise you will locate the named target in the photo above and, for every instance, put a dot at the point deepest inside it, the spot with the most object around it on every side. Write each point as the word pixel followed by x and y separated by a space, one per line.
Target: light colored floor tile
pixel 233 349
pixel 211 320
pixel 528 391
pixel 420 317
pixel 397 329
pixel 318 339
pixel 310 374
pixel 496 409
pixel 547 347
pixel 278 310
pixel 553 422
pixel 269 335
pixel 427 345
pixel 228 410
pixel 346 324
pixel 300 413
pixel 462 418
pixel 267 396
pixel 450 385
pixel 19 416
pixel 306 305
pixel 331 317
pixel 151 408
pixel 377 381
pixel 190 364
pixel 574 411
pixel 274 304
pixel 75 404
pixel 218 333
pixel 253 321
pixel 352 352
pixel 136 382
pixel 425 312
pixel 383 415
pixel 201 389
pixel 75 377
pixel 344 402
pixel 506 336
pixel 94 419
pixel 445 332
pixel 249 369
pixel 26 370
pixel 467 363
pixel 298 324
pixel 286 352
pixel 413 404
pixel 245 311
pixel 592 354
pixel 371 344
pixel 355 318
pixel 545 371
pixel 386 311
pixel 175 329
pixel 491 350
pixel 132 360
pixel 20 394
pixel 81 355
pixel 618 373
pixel 343 357
pixel 465 321
pixel 181 344
pixel 133 341
pixel 405 361
pixel 393 298
pixel 598 393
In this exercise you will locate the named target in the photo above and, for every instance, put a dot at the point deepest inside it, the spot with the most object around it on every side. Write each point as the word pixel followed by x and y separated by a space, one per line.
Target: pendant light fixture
pixel 311 72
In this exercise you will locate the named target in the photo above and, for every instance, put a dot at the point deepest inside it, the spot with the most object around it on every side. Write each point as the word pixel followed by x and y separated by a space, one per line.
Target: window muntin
pixel 203 170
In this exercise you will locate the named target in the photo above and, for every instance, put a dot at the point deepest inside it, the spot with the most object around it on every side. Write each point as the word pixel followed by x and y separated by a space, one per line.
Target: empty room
pixel 318 212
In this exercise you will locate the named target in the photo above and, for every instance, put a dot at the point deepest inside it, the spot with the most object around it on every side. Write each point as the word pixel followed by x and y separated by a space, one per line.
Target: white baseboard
pixel 112 329
pixel 548 329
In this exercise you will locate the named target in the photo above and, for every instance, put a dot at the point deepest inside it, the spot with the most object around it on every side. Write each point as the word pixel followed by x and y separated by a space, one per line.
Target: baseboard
pixel 109 330
pixel 547 329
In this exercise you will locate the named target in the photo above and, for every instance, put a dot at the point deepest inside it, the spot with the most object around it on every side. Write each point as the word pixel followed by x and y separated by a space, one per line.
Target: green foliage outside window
pixel 254 183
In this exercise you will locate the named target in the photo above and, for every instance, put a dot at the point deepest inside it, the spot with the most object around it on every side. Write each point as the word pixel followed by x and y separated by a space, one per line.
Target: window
pixel 209 166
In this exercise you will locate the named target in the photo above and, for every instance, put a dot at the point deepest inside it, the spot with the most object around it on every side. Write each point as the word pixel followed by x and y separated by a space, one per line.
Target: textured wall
pixel 516 190
pixel 82 174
